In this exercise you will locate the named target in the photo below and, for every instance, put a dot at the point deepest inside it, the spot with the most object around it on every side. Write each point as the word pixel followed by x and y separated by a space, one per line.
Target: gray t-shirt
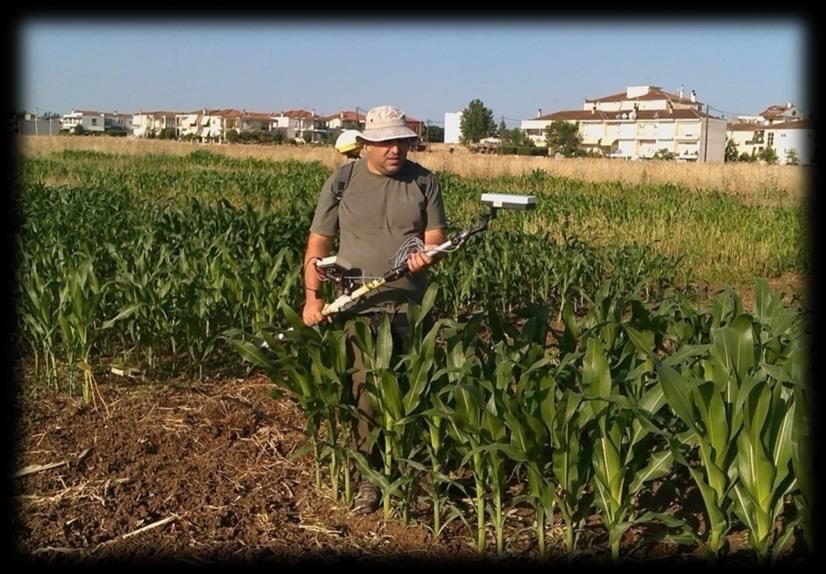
pixel 375 216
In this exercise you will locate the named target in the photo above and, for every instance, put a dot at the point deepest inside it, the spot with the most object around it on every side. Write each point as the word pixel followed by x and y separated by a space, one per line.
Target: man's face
pixel 387 157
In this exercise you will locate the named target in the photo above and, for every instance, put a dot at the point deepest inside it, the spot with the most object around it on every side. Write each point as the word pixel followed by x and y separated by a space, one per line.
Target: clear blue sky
pixel 427 68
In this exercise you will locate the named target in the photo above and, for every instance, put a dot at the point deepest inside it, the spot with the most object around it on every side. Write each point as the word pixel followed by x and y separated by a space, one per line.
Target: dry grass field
pixel 742 179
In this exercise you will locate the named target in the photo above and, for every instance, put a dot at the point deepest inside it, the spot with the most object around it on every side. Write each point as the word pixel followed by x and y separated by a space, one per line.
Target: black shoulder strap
pixel 342 179
pixel 422 181
pixel 422 177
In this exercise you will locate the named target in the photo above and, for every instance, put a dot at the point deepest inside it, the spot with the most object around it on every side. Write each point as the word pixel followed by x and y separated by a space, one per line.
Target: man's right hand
pixel 312 311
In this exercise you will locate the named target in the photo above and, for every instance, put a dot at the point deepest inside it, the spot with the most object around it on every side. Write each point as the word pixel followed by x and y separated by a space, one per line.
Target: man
pixel 386 201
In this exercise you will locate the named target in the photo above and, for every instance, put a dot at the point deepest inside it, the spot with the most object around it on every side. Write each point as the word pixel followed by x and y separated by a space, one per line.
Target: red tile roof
pixel 793 125
pixel 773 111
pixel 346 115
pixel 654 93
pixel 745 127
pixel 298 114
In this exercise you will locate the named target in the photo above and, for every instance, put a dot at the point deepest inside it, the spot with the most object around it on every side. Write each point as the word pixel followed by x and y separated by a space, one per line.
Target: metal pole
pixel 35 120
pixel 705 145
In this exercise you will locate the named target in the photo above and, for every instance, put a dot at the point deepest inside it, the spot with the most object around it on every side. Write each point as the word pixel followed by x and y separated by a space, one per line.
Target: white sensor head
pixel 509 201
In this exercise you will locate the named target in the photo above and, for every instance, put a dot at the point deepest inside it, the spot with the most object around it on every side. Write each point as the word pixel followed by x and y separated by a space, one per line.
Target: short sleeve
pixel 436 218
pixel 325 220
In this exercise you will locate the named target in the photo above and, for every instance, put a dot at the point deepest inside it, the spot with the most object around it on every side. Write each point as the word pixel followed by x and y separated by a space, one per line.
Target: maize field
pixel 574 383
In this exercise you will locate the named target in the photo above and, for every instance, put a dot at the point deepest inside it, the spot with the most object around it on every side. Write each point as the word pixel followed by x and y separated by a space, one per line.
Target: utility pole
pixel 35 120
pixel 705 145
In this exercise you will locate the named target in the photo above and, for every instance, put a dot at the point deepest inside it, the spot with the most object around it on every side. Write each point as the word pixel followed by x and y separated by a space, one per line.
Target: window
pixel 94 121
pixel 770 141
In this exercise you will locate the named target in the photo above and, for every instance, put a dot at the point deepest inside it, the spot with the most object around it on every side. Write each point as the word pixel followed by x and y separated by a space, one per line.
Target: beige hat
pixel 386 123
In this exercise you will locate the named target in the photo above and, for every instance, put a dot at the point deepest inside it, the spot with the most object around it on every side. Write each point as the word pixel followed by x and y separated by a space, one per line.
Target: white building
pixel 453 131
pixel 751 138
pixel 781 127
pixel 298 123
pixel 91 121
pixel 798 135
pixel 144 123
pixel 640 122
pixel 207 125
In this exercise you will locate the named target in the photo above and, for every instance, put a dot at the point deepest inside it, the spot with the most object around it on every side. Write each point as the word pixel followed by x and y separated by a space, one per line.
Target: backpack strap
pixel 342 179
pixel 422 180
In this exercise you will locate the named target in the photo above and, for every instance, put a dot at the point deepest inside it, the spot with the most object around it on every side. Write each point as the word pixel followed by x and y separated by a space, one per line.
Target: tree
pixel 768 155
pixel 233 136
pixel 792 157
pixel 435 134
pixel 515 137
pixel 731 151
pixel 477 122
pixel 664 153
pixel 502 129
pixel 562 137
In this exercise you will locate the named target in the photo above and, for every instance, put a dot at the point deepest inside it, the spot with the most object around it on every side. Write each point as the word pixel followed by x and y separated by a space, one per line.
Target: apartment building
pixel 639 122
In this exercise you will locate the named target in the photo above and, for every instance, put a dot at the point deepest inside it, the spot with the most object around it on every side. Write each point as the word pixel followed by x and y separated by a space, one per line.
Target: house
pixel 780 114
pixel 115 122
pixel 145 123
pixel 797 135
pixel 753 137
pixel 346 120
pixel 302 125
pixel 781 127
pixel 89 120
pixel 207 125
pixel 639 122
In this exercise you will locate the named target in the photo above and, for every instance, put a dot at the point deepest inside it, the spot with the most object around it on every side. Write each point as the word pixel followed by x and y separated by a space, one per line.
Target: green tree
pixel 515 137
pixel 792 157
pixel 731 151
pixel 435 134
pixel 477 122
pixel 768 155
pixel 232 136
pixel 663 153
pixel 562 137
pixel 503 129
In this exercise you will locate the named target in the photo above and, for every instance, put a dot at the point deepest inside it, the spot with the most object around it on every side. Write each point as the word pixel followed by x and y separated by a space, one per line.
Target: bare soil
pixel 202 473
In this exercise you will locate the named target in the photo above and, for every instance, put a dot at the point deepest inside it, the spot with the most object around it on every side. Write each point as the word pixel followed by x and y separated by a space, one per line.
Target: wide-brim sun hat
pixel 385 123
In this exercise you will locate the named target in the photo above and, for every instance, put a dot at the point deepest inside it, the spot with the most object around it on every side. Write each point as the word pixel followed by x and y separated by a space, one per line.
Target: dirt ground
pixel 201 473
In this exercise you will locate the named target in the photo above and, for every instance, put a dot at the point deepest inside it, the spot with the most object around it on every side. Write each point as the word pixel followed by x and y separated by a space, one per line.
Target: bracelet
pixel 315 291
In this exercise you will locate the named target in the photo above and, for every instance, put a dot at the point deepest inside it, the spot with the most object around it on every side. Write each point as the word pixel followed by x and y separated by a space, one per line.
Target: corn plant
pixel 39 305
pixel 770 372
pixel 79 302
pixel 464 410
